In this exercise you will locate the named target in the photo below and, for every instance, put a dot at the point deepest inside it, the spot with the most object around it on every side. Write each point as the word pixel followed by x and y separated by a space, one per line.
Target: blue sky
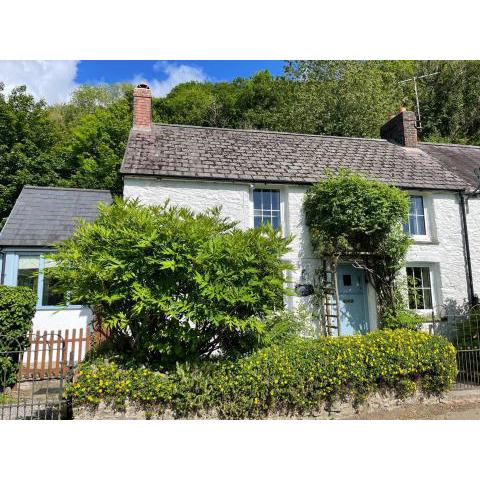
pixel 55 80
pixel 217 70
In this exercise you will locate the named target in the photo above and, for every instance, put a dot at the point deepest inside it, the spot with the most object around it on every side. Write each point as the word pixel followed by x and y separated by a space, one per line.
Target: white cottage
pixel 262 176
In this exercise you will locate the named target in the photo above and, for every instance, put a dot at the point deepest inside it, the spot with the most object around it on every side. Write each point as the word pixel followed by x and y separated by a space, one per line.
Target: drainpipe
pixel 468 260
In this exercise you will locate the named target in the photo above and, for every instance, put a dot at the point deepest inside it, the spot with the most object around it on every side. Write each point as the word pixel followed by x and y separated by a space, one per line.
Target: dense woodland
pixel 81 143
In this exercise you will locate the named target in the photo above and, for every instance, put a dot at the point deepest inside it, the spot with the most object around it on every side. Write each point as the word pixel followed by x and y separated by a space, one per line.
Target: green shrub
pixel 402 319
pixel 296 378
pixel 17 308
pixel 171 285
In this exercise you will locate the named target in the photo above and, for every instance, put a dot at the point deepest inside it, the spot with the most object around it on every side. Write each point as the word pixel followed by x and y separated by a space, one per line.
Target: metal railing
pixel 462 328
pixel 32 378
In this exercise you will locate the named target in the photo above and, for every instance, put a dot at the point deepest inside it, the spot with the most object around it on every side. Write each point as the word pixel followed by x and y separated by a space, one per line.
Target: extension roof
pixel 181 151
pixel 42 216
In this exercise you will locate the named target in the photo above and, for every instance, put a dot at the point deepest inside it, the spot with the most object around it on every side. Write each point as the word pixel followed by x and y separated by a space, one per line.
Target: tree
pixel 354 218
pixel 171 285
pixel 28 138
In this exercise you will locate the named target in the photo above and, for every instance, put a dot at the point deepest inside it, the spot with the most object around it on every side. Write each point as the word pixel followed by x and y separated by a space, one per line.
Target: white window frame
pixel 281 190
pixel 431 272
pixel 426 215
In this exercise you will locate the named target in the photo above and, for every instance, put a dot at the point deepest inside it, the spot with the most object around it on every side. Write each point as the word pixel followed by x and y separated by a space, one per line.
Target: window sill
pixel 56 308
pixel 421 240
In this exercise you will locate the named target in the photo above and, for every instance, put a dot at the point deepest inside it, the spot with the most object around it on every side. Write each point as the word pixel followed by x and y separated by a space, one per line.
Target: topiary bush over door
pixel 353 218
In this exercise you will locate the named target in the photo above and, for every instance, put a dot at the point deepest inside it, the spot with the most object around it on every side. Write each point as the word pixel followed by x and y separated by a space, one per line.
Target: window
pixel 416 217
pixel 266 207
pixel 419 288
pixel 31 273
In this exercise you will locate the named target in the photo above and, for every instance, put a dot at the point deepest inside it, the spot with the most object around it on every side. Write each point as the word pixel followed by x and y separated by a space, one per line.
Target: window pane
pixel 275 200
pixel 257 199
pixel 421 225
pixel 427 298
pixel 412 225
pixel 425 277
pixel 51 296
pixel 27 275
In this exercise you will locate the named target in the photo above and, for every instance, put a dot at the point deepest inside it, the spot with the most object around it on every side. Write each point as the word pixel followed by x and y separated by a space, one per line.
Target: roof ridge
pixel 39 187
pixel 253 130
pixel 449 144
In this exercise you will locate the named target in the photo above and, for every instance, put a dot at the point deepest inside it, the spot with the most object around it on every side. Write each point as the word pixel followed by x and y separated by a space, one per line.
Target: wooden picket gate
pixel 44 357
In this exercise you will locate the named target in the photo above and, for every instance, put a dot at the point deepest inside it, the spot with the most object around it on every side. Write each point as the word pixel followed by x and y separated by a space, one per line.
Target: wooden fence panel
pixel 49 352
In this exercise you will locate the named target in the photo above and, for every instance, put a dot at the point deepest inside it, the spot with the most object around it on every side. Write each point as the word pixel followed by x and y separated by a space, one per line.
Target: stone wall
pixel 376 403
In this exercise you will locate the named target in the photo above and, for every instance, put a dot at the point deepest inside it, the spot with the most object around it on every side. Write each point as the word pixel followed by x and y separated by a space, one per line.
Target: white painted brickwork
pixel 442 249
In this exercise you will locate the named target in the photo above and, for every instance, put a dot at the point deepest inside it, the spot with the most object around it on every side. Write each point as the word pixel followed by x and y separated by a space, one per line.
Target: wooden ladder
pixel 330 304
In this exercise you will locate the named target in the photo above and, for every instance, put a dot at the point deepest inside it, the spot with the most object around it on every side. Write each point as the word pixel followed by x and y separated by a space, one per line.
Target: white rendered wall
pixel 442 249
pixel 473 221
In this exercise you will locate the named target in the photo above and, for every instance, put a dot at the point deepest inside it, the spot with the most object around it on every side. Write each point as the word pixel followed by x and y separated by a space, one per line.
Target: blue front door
pixel 352 291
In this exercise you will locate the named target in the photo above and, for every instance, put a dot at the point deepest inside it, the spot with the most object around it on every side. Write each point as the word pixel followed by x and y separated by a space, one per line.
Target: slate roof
pixel 459 159
pixel 263 156
pixel 45 215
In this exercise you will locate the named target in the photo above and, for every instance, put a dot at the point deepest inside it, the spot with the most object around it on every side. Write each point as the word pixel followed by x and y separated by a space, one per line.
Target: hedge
pixel 17 308
pixel 295 378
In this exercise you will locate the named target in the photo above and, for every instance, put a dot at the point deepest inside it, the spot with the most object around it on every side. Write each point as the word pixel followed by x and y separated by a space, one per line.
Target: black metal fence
pixel 32 378
pixel 463 330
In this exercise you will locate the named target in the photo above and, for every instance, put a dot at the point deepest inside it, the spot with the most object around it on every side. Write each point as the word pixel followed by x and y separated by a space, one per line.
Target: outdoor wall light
pixel 304 289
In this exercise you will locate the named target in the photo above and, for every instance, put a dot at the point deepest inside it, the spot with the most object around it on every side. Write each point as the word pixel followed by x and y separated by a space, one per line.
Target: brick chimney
pixel 401 129
pixel 142 107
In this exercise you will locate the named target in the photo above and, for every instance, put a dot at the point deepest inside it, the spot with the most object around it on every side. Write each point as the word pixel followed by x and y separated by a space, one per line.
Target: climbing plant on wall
pixel 353 218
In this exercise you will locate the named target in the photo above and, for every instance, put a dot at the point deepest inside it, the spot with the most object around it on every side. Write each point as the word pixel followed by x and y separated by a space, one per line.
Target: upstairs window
pixel 419 288
pixel 416 217
pixel 266 207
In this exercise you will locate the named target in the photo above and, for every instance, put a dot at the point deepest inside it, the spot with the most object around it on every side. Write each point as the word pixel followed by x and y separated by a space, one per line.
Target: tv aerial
pixel 414 80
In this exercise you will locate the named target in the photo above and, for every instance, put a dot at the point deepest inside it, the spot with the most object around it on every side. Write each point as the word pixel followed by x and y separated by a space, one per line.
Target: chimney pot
pixel 142 107
pixel 401 129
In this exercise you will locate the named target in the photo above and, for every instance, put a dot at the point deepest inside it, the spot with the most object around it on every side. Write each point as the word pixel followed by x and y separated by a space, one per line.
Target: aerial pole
pixel 417 101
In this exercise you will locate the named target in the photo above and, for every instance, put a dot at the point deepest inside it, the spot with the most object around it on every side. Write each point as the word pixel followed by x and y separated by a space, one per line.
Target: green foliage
pixel 27 140
pixel 81 143
pixel 348 213
pixel 284 325
pixel 17 308
pixel 352 217
pixel 467 332
pixel 401 318
pixel 298 377
pixel 171 285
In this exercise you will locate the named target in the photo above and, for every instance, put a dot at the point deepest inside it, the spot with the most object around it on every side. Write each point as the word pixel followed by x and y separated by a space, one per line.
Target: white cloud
pixel 175 74
pixel 52 80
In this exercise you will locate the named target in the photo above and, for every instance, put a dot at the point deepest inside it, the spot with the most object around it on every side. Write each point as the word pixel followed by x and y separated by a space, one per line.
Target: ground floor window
pixel 31 273
pixel 419 283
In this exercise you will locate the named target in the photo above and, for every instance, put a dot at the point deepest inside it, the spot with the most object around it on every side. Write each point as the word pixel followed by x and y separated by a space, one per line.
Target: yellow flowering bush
pixel 295 378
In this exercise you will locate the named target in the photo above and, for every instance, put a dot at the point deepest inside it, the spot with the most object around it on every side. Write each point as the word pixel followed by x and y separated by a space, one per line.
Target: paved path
pixel 439 411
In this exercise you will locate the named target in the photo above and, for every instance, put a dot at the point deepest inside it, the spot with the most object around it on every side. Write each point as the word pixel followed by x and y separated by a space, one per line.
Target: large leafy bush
pixel 172 285
pixel 17 308
pixel 297 377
